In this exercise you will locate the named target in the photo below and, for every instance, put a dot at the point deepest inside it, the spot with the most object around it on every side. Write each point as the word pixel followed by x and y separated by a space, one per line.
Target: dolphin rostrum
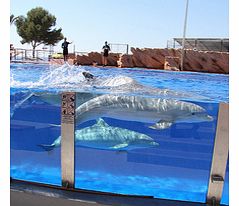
pixel 103 136
pixel 162 113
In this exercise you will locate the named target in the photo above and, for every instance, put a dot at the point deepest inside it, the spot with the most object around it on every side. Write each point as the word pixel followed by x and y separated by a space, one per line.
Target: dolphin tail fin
pixel 47 147
pixel 162 124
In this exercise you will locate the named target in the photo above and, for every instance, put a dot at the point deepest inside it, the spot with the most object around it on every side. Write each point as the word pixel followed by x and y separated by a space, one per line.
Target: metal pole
pixel 68 139
pixel 220 156
pixel 184 34
pixel 221 44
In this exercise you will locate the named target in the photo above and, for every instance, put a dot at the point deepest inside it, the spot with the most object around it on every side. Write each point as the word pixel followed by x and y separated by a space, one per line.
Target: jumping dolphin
pixel 88 76
pixel 161 112
pixel 103 136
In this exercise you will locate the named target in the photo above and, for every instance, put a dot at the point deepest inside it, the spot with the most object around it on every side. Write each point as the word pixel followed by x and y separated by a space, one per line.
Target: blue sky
pixel 139 23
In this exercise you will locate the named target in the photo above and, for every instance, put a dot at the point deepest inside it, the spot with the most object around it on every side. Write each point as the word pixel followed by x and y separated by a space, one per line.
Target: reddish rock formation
pixel 95 57
pixel 213 62
pixel 199 61
pixel 61 61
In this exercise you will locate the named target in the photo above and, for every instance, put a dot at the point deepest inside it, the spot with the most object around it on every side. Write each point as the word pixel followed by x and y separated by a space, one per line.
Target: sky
pixel 139 23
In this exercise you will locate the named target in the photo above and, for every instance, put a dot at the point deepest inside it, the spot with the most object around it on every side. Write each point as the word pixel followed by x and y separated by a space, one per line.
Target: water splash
pixel 18 100
pixel 70 78
pixel 65 76
pixel 114 81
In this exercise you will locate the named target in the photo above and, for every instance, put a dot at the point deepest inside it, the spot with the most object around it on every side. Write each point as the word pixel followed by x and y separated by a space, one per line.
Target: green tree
pixel 36 28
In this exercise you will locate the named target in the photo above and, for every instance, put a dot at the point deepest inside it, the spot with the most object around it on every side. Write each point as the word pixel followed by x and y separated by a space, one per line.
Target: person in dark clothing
pixel 64 46
pixel 106 49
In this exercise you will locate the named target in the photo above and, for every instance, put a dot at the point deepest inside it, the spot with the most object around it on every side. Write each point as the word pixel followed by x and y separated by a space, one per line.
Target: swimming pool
pixel 168 160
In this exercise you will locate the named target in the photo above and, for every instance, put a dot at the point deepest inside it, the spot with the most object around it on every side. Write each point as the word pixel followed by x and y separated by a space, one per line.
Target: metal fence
pixel 18 54
pixel 171 44
pixel 200 44
pixel 119 48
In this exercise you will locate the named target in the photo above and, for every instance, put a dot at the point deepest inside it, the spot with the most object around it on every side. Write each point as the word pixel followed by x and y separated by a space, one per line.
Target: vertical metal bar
pixel 68 139
pixel 196 44
pixel 220 156
pixel 221 44
pixel 184 34
pixel 127 49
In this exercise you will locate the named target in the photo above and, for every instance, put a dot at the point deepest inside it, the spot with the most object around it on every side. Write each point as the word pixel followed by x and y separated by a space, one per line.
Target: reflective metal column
pixel 68 139
pixel 220 156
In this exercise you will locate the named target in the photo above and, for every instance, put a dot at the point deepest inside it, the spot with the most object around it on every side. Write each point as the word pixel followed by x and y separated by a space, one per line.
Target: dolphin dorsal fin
pixel 101 122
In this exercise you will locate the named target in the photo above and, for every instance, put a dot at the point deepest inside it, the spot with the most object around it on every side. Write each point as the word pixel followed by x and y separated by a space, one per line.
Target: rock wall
pixel 213 62
pixel 199 61
pixel 96 58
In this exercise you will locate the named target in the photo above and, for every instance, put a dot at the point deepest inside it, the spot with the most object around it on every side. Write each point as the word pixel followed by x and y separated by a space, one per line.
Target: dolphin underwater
pixel 103 136
pixel 162 113
pixel 55 99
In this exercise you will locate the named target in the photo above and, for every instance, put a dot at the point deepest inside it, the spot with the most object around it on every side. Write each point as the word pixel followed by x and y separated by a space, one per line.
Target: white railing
pixel 18 54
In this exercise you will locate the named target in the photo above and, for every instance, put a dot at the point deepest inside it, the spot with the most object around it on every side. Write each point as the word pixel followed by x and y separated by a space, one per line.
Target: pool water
pixel 171 162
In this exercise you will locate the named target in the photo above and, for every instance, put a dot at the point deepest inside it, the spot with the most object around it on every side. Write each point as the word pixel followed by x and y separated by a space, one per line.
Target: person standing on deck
pixel 64 46
pixel 106 49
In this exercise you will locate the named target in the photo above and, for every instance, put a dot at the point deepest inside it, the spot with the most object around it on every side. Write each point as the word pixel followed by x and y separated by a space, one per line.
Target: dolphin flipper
pixel 47 147
pixel 162 124
pixel 120 146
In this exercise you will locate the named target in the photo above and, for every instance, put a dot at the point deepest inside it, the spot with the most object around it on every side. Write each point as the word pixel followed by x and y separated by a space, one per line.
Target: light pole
pixel 184 34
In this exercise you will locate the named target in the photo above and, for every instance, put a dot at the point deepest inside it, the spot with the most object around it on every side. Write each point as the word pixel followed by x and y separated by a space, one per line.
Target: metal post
pixel 184 34
pixel 221 44
pixel 51 49
pixel 68 139
pixel 196 43
pixel 127 49
pixel 220 156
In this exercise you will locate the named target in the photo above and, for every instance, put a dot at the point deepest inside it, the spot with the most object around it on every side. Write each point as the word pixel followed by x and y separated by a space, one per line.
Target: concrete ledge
pixel 30 194
pixel 27 199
